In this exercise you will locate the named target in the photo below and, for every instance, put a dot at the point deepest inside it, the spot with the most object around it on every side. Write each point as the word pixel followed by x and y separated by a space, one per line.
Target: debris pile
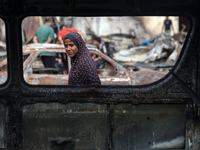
pixel 164 48
pixel 164 44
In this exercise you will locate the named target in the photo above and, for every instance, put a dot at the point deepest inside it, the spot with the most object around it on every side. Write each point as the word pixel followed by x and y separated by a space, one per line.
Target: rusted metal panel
pixel 145 76
pixel 48 79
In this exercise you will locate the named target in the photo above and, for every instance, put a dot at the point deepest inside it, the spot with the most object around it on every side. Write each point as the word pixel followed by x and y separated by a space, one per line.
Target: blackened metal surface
pixel 15 92
pixel 194 97
pixel 61 143
pixel 2 125
pixel 148 126
pixel 85 123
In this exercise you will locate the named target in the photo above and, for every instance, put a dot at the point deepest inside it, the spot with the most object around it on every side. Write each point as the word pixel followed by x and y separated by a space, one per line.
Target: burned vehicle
pixel 110 73
pixel 122 41
pixel 161 115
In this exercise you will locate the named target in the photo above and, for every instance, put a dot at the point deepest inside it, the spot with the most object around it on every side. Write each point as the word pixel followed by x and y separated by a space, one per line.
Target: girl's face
pixel 70 48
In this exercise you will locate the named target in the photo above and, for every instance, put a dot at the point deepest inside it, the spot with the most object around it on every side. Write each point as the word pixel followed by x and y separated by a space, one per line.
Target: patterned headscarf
pixel 83 70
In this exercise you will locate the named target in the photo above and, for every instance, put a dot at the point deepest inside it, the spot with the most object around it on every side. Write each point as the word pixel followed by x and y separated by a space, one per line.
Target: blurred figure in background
pixel 167 26
pixel 45 34
pixel 97 59
pixel 64 30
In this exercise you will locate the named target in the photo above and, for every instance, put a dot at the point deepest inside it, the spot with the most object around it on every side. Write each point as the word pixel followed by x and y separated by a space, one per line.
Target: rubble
pixel 162 49
pixel 164 44
pixel 132 55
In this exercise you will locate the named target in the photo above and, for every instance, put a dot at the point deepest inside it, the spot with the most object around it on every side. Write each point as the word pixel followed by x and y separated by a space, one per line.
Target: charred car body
pixel 111 73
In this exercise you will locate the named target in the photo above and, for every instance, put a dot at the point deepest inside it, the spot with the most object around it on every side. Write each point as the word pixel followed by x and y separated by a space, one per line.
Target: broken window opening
pixel 139 48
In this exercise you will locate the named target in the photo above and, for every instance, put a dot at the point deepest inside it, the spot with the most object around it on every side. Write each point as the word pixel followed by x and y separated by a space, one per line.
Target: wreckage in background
pixel 162 50
pixel 111 73
pixel 128 75
pixel 121 32
pixel 3 52
pixel 133 57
